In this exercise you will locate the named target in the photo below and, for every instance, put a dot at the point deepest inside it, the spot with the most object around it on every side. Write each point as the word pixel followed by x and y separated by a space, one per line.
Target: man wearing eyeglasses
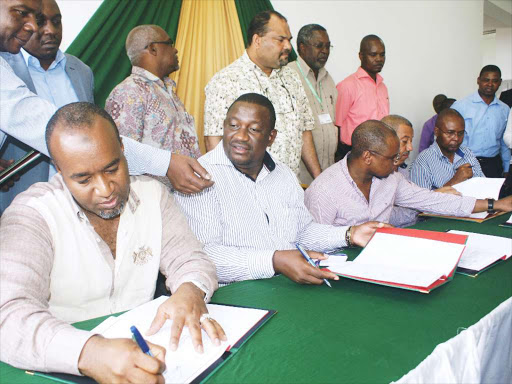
pixel 446 162
pixel 144 105
pixel 314 47
pixel 364 185
pixel 262 69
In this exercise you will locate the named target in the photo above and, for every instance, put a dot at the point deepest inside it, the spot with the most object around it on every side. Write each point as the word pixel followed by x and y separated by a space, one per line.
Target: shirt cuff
pixel 143 158
pixel 64 350
pixel 467 206
pixel 261 264
pixel 337 237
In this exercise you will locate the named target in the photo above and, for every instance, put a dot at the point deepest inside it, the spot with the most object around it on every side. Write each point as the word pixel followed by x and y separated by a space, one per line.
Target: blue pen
pixel 137 337
pixel 310 261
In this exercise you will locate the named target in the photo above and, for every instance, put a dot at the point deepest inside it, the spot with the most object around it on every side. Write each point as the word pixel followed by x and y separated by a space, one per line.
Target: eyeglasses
pixel 451 134
pixel 395 158
pixel 168 42
pixel 321 46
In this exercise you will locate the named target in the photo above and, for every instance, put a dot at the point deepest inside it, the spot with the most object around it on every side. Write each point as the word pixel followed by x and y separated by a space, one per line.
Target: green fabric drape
pixel 101 43
pixel 247 9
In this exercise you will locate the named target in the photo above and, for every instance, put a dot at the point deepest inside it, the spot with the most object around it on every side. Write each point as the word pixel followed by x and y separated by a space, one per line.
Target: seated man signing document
pixel 364 185
pixel 89 243
pixel 250 220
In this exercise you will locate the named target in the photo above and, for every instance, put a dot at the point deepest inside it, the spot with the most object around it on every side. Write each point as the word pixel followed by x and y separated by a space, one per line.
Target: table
pixel 354 332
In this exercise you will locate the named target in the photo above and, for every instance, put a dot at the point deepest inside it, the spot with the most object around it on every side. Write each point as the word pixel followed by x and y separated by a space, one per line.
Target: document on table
pixel 480 188
pixel 185 364
pixel 482 251
pixel 406 258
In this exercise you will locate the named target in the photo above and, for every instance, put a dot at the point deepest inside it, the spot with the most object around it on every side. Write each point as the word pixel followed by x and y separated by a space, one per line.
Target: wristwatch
pixel 490 205
pixel 348 237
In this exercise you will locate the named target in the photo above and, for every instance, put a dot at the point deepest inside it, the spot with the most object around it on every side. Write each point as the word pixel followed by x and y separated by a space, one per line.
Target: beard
pixel 107 215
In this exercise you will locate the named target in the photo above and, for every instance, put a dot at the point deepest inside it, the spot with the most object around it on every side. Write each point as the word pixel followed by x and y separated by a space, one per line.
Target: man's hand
pixel 448 190
pixel 464 172
pixel 4 164
pixel 361 234
pixel 185 307
pixel 121 361
pixel 187 175
pixel 503 205
pixel 293 265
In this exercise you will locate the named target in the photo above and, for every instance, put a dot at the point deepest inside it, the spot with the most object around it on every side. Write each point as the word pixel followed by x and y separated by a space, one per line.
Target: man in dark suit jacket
pixel 72 80
pixel 506 97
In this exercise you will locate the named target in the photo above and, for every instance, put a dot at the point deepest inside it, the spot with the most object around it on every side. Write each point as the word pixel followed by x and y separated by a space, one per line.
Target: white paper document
pixel 185 363
pixel 403 260
pixel 480 188
pixel 333 261
pixel 483 250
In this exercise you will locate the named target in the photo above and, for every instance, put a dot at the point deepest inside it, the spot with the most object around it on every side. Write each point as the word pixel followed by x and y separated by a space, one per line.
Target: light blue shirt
pixel 432 169
pixel 485 126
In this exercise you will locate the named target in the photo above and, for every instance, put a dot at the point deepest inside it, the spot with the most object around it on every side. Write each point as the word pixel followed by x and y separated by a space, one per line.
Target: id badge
pixel 324 118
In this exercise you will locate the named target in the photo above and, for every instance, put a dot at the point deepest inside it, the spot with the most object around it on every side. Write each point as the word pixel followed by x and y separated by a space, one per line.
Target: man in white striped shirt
pixel 363 186
pixel 446 162
pixel 250 220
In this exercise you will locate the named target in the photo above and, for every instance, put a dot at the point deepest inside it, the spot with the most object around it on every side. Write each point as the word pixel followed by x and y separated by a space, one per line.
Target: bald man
pixel 363 95
pixel 446 162
pixel 90 243
pixel 364 186
pixel 144 105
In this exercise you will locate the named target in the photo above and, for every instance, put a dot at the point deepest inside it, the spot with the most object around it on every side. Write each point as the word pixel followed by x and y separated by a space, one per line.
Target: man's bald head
pixel 367 40
pixel 75 117
pixel 372 135
pixel 448 114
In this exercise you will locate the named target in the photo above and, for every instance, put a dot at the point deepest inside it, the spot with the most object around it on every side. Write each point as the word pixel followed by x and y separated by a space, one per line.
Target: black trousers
pixel 491 166
pixel 342 151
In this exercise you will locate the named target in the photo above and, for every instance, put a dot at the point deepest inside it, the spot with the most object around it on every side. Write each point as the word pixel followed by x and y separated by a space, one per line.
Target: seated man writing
pixel 364 186
pixel 446 162
pixel 250 220
pixel 89 243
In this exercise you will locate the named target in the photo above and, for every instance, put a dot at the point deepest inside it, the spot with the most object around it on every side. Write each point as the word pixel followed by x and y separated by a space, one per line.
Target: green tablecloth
pixel 354 332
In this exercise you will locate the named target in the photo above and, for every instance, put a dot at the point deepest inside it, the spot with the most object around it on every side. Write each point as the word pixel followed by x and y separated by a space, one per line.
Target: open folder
pixel 406 258
pixel 482 252
pixel 184 365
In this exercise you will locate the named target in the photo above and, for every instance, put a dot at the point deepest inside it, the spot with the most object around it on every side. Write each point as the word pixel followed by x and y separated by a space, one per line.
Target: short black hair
pixel 77 116
pixel 366 40
pixel 394 121
pixel 491 68
pixel 372 135
pixel 256 98
pixel 258 24
pixel 306 32
pixel 447 113
pixel 447 103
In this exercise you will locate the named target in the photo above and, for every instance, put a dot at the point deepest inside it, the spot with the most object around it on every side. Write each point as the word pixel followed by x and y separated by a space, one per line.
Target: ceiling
pixel 497 14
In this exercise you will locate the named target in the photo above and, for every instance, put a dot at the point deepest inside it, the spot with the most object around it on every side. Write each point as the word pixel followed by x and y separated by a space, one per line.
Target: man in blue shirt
pixel 486 118
pixel 446 162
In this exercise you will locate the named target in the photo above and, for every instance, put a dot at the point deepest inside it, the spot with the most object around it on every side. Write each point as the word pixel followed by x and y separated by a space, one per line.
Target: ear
pixel 360 56
pixel 273 134
pixel 436 132
pixel 256 40
pixel 367 157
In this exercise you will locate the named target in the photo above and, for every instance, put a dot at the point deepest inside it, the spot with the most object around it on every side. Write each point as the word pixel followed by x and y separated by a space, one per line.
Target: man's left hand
pixel 185 308
pixel 187 175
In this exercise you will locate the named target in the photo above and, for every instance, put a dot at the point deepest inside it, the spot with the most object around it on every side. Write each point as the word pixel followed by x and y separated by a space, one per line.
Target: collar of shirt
pixel 476 98
pixel 219 157
pixel 437 150
pixel 31 61
pixel 322 72
pixel 361 73
pixel 251 65
pixel 154 78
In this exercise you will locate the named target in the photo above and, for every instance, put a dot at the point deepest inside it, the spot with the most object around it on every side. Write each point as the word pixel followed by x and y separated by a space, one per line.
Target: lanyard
pixel 313 90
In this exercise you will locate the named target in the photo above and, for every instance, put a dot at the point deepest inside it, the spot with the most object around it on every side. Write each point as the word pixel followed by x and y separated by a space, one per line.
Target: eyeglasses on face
pixel 451 134
pixel 395 158
pixel 321 46
pixel 168 42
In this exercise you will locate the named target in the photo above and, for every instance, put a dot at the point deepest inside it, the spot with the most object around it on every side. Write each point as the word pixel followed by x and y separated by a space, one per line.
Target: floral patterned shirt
pixel 147 109
pixel 283 88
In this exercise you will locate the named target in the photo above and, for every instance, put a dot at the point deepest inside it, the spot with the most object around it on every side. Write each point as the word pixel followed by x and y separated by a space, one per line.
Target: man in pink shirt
pixel 363 95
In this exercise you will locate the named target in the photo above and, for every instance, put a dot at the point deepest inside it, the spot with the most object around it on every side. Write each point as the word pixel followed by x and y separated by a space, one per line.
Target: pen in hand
pixel 310 261
pixel 137 337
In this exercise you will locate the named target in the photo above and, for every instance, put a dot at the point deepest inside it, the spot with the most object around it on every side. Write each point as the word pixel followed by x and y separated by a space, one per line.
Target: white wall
pixel 488 49
pixel 504 52
pixel 431 46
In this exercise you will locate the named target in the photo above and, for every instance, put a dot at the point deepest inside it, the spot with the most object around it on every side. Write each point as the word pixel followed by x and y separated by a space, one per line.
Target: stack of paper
pixel 406 258
pixel 186 365
pixel 482 251
pixel 480 188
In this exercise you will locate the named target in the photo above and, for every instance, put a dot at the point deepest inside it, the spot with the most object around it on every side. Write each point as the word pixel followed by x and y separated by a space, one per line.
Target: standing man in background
pixel 56 77
pixel 144 105
pixel 486 118
pixel 262 69
pixel 314 47
pixel 363 95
